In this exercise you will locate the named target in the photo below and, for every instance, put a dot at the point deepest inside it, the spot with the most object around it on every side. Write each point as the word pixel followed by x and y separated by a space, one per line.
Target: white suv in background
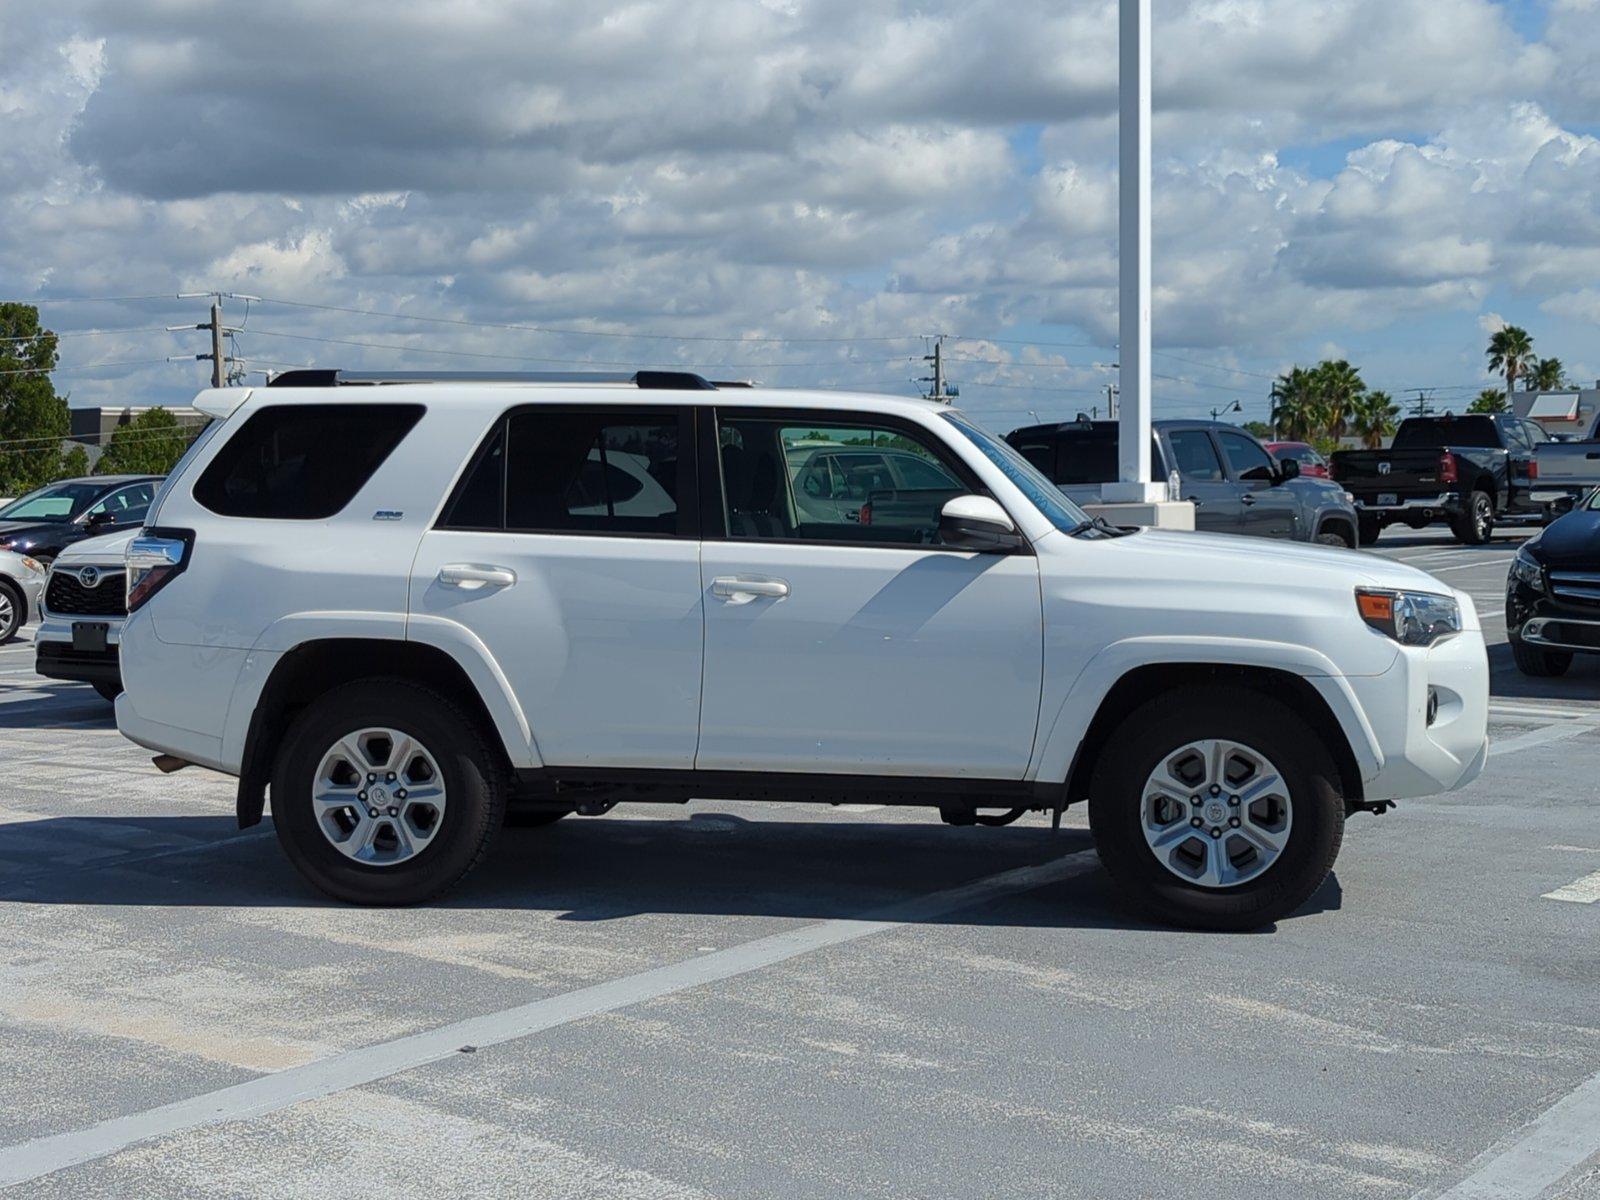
pixel 85 601
pixel 407 607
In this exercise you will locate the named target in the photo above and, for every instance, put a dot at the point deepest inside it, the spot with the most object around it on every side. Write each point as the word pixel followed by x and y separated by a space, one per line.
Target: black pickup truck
pixel 1471 471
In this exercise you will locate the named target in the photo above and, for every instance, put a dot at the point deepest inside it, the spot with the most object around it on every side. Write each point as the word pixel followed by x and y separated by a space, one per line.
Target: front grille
pixel 67 596
pixel 1576 587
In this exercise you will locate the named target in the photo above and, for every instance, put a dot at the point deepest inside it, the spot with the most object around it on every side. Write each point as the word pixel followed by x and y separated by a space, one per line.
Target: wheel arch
pixel 1335 522
pixel 1147 681
pixel 311 668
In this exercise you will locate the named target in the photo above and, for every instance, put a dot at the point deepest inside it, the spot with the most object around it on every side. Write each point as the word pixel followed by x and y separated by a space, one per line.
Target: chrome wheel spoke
pixel 1240 801
pixel 361 810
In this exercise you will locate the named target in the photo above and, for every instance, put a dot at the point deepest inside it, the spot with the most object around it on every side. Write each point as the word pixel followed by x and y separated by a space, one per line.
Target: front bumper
pixel 1539 618
pixel 56 658
pixel 1412 506
pixel 1417 758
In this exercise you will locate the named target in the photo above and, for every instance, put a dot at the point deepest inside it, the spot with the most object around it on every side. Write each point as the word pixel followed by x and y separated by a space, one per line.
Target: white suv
pixel 409 607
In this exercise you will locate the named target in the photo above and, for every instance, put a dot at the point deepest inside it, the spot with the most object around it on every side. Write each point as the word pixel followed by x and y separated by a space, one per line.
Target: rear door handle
pixel 741 591
pixel 469 577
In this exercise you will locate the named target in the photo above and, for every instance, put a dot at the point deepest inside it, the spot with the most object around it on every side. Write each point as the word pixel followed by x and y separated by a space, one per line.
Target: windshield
pixel 1062 513
pixel 55 503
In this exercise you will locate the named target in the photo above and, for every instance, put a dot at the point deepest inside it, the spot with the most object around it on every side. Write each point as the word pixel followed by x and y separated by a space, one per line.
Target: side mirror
pixel 1288 469
pixel 978 523
pixel 103 517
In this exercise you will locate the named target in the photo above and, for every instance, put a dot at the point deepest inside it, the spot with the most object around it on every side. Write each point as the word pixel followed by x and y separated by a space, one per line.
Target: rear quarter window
pixel 302 462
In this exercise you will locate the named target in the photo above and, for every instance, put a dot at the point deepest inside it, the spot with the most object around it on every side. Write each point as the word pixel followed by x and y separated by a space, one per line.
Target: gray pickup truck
pixel 1235 485
pixel 1569 468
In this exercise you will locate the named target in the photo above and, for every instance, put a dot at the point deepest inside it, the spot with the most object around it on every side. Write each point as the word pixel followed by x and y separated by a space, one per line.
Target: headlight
pixel 1525 570
pixel 1410 618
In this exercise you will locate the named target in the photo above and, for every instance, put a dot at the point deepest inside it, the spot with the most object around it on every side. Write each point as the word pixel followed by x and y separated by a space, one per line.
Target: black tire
pixel 1475 526
pixel 1161 727
pixel 1367 531
pixel 18 608
pixel 473 776
pixel 108 691
pixel 1537 661
pixel 1338 535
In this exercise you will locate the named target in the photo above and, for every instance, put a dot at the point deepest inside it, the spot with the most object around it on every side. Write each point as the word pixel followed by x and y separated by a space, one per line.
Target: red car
pixel 1311 463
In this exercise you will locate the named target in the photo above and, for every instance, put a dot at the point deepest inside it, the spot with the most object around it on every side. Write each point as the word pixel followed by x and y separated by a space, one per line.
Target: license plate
pixel 89 637
pixel 1387 499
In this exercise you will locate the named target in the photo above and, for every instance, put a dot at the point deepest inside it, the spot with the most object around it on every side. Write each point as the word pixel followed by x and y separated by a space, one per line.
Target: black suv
pixel 1553 593
pixel 48 520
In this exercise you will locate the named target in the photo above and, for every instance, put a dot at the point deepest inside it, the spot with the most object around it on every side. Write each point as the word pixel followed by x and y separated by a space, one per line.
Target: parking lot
pixel 741 1000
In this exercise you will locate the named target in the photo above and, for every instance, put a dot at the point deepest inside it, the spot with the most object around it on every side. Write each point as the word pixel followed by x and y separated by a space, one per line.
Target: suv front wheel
pixel 384 792
pixel 1216 807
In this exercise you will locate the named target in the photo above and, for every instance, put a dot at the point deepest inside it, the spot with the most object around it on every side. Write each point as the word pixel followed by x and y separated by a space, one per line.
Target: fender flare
pixel 1101 673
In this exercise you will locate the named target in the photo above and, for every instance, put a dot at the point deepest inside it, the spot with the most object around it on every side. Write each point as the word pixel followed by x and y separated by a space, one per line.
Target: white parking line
pixel 1539 737
pixel 1582 891
pixel 353 1068
pixel 1550 1148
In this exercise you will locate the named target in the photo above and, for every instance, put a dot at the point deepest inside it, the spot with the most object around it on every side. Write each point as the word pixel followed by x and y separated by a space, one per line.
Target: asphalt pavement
pixel 746 1000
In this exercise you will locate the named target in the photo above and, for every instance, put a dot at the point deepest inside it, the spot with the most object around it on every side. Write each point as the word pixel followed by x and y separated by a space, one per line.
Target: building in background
pixel 94 426
pixel 1568 411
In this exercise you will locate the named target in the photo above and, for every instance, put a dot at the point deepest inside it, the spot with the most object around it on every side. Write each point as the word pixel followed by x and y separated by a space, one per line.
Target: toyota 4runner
pixel 408 610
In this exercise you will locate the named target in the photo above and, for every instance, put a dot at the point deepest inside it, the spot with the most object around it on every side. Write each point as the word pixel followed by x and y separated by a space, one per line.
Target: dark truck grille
pixel 69 597
pixel 1576 587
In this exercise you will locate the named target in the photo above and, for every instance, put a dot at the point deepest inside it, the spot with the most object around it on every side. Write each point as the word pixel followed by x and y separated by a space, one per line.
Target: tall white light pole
pixel 1133 238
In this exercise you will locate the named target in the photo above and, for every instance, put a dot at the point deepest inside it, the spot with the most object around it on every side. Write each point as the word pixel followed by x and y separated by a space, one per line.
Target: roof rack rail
pixel 679 381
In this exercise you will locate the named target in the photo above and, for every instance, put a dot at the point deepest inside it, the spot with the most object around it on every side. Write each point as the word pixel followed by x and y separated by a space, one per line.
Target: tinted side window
pixel 1246 457
pixel 302 462
pixel 1194 455
pixel 126 505
pixel 772 474
pixel 1535 432
pixel 480 498
pixel 592 471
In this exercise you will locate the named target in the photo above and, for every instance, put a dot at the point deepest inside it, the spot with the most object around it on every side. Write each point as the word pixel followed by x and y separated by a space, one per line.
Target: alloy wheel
pixel 1216 813
pixel 378 796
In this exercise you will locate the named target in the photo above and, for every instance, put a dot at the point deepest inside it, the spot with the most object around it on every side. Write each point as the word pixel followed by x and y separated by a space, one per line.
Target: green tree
pixel 74 461
pixel 1509 351
pixel 33 419
pixel 1372 418
pixel 1490 400
pixel 1259 429
pixel 1294 404
pixel 1545 375
pixel 1338 386
pixel 147 445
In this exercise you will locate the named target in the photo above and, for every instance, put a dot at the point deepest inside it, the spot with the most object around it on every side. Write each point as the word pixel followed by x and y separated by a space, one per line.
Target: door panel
pixel 1267 510
pixel 876 661
pixel 1204 482
pixel 599 637
pixel 859 645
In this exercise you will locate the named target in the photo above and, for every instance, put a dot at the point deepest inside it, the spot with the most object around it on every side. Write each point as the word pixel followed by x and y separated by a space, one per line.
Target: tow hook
pixel 1376 807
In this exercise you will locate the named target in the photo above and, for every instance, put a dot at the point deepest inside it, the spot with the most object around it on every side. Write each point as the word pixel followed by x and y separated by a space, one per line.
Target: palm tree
pixel 1490 400
pixel 1338 387
pixel 1545 375
pixel 1294 404
pixel 1509 350
pixel 1372 418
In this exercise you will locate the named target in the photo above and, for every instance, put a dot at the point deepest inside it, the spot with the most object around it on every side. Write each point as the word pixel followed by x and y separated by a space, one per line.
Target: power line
pixel 69 333
pixel 128 362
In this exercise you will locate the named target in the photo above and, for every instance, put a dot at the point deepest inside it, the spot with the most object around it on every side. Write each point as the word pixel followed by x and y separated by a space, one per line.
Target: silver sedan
pixel 21 592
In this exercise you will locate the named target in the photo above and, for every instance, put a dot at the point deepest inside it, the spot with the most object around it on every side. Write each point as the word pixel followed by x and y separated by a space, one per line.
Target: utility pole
pixel 1111 400
pixel 1421 407
pixel 937 378
pixel 222 373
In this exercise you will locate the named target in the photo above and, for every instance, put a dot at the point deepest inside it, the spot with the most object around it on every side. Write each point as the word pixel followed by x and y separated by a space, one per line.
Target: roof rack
pixel 679 381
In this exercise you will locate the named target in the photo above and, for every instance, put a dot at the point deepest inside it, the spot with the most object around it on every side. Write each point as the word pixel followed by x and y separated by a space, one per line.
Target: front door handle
pixel 1248 500
pixel 469 577
pixel 741 591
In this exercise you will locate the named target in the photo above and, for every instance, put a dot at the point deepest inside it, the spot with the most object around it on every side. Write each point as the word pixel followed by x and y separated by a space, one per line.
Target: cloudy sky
pixel 826 181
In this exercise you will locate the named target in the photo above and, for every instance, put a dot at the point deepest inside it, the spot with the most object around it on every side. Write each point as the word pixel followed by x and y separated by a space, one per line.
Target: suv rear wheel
pixel 1217 808
pixel 384 792
pixel 11 610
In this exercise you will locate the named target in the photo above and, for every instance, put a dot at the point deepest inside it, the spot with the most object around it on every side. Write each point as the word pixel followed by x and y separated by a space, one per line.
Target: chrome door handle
pixel 741 591
pixel 470 577
pixel 1248 499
